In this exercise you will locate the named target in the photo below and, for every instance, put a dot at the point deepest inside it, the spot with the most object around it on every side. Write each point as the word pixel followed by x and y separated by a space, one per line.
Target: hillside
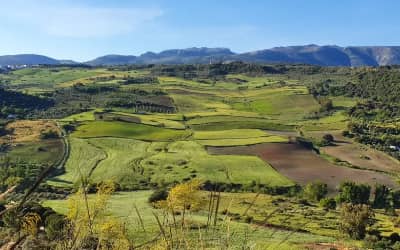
pixel 308 54
pixel 229 156
pixel 174 56
pixel 28 59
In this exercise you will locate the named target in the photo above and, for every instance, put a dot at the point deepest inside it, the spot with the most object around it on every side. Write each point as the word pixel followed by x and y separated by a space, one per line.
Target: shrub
pixel 381 197
pixel 69 128
pixel 327 140
pixel 54 224
pixel 328 203
pixel 248 219
pixel 395 198
pixel 315 191
pixel 304 202
pixel 346 133
pixel 11 219
pixel 354 219
pixel 50 134
pixel 2 205
pixel 394 237
pixel 350 192
pixel 158 195
pixel 326 104
pixel 374 242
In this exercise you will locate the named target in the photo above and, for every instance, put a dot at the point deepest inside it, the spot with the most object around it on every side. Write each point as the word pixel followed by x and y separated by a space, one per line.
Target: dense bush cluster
pixel 94 89
pixel 81 98
pixel 19 104
pixel 375 119
pixel 140 80
pixel 382 136
pixel 380 84
pixel 218 70
pixel 18 173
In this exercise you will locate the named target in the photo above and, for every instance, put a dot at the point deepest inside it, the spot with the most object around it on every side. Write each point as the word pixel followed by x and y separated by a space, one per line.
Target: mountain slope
pixel 113 60
pixel 29 59
pixel 308 54
pixel 174 56
pixel 374 56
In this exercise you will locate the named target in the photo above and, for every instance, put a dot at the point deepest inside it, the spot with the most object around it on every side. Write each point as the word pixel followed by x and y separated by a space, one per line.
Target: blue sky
pixel 84 29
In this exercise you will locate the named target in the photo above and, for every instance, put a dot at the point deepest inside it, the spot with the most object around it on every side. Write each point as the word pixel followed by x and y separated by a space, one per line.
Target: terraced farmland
pixel 255 141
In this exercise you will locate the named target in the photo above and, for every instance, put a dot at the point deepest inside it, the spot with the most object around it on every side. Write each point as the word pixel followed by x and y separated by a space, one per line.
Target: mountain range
pixel 329 55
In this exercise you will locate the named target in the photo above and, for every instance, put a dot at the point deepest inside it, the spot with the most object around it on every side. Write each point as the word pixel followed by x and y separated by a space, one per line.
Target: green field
pixel 83 157
pixel 250 124
pixel 156 120
pixel 43 152
pixel 337 121
pixel 229 134
pixel 128 130
pixel 81 117
pixel 133 163
pixel 235 137
pixel 284 106
pixel 242 141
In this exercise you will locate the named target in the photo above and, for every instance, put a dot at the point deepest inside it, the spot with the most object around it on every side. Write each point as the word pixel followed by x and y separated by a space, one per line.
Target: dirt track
pixel 303 165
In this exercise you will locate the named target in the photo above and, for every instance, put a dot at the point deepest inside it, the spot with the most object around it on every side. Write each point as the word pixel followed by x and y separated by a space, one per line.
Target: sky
pixel 85 29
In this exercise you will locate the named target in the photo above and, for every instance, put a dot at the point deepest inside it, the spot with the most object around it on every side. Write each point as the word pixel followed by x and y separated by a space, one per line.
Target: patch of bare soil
pixel 27 131
pixel 361 156
pixel 356 154
pixel 303 165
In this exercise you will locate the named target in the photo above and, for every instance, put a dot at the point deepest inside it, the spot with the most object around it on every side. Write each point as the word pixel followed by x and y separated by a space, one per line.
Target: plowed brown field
pixel 303 165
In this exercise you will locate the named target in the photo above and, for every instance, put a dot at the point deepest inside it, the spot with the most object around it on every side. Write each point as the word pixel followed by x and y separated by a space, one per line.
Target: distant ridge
pixel 329 55
pixel 28 59
pixel 173 56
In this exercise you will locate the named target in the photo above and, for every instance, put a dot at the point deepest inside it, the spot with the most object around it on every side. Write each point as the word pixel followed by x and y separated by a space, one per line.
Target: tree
pixel 89 226
pixel 315 191
pixel 354 219
pixel 326 104
pixel 395 199
pixel 381 197
pixel 158 195
pixel 328 203
pixel 184 196
pixel 327 140
pixel 69 127
pixel 350 192
pixel 50 134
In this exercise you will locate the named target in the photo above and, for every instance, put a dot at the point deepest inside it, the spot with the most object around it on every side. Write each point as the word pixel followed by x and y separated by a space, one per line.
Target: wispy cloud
pixel 77 21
